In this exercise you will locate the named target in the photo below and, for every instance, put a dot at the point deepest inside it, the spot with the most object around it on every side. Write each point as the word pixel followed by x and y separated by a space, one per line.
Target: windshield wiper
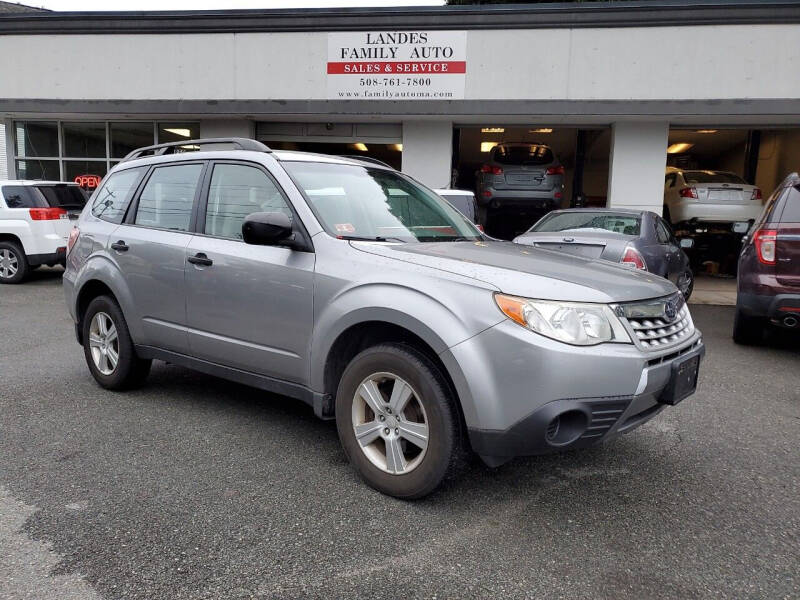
pixel 376 238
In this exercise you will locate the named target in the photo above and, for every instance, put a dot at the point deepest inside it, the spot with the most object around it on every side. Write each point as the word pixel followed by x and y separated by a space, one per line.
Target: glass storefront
pixel 73 150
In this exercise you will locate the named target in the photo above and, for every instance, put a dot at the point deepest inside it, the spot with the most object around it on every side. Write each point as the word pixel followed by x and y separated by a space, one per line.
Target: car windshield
pixel 590 221
pixel 534 154
pixel 360 202
pixel 712 177
pixel 62 196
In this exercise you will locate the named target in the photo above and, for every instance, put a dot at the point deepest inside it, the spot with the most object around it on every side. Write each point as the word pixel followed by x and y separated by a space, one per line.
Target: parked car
pixel 35 221
pixel 352 287
pixel 768 283
pixel 521 176
pixel 709 197
pixel 639 238
pixel 463 200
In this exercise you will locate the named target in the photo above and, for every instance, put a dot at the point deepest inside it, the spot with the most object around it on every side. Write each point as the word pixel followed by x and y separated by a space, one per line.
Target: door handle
pixel 200 259
pixel 120 246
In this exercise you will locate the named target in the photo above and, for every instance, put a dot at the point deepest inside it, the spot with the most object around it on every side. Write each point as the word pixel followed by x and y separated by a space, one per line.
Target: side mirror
pixel 266 228
pixel 687 243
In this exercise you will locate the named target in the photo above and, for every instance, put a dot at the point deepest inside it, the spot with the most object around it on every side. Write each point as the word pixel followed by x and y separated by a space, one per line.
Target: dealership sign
pixel 397 65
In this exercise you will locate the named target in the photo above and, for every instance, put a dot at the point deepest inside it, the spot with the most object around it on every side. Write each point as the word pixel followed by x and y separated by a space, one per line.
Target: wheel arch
pixel 100 277
pixel 364 334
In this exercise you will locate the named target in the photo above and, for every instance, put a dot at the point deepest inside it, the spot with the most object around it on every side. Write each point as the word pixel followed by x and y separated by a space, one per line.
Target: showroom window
pixel 84 151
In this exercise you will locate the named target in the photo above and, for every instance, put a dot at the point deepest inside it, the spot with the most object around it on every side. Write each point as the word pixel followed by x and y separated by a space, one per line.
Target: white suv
pixel 35 223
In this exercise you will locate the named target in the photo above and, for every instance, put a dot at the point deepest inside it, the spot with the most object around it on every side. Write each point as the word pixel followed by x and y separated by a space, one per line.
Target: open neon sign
pixel 88 181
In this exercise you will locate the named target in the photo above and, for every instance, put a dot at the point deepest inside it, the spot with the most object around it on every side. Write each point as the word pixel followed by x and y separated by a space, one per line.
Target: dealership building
pixel 618 90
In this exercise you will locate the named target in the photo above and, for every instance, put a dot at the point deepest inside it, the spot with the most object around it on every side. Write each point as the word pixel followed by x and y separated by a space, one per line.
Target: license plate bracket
pixel 682 381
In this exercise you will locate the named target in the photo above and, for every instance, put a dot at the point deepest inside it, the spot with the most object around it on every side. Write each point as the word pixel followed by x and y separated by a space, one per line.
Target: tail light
pixel 494 170
pixel 633 257
pixel 559 170
pixel 757 195
pixel 480 228
pixel 48 214
pixel 487 193
pixel 688 192
pixel 558 195
pixel 73 237
pixel 764 240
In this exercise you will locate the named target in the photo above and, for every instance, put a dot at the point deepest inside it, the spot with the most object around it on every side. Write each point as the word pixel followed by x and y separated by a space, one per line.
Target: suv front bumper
pixel 519 382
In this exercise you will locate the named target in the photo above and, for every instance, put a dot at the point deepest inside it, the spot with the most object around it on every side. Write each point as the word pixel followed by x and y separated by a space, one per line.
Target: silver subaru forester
pixel 352 287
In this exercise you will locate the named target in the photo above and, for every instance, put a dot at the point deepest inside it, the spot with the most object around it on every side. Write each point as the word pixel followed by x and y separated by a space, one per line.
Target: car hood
pixel 530 272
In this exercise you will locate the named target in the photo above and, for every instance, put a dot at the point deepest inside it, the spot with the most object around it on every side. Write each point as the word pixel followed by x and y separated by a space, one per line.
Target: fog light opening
pixel 566 428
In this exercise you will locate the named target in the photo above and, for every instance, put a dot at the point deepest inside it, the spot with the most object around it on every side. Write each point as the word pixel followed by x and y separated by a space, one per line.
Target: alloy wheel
pixel 390 423
pixel 104 343
pixel 9 263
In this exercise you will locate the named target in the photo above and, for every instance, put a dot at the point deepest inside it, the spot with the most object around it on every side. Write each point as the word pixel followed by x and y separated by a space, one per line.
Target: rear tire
pixel 387 455
pixel 747 330
pixel 14 265
pixel 108 347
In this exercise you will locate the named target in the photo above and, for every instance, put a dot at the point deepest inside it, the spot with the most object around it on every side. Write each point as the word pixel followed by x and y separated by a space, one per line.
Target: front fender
pixel 429 318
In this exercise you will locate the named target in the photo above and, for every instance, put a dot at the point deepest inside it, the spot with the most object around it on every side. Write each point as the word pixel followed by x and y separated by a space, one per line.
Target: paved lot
pixel 197 488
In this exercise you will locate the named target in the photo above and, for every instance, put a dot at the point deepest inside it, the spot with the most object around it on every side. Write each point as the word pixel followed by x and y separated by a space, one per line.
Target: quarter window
pixel 235 192
pixel 111 200
pixel 167 199
pixel 662 233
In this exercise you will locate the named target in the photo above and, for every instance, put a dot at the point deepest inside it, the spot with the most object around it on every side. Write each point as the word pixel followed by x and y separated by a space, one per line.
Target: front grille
pixel 604 415
pixel 652 328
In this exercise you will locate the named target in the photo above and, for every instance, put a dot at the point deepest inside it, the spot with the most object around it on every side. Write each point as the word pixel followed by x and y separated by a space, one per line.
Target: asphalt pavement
pixel 196 488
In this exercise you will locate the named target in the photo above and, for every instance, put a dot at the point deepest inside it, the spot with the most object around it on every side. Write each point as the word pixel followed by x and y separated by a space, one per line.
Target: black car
pixel 637 237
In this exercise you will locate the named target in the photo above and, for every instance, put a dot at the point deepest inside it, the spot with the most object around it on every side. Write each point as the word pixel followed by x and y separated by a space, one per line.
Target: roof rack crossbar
pixel 171 147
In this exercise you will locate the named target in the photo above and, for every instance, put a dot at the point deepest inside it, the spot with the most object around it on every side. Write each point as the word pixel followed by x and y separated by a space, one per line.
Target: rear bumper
pixel 534 200
pixel 59 257
pixel 715 213
pixel 773 307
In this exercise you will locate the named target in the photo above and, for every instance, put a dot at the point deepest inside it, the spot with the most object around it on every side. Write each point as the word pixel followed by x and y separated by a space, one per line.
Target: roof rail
pixel 171 147
pixel 367 159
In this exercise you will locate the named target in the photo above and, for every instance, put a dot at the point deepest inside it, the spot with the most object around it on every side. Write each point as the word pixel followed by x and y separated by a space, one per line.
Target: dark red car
pixel 769 267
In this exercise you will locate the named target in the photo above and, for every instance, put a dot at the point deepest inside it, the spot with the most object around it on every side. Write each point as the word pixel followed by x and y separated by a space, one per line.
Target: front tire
pixel 397 421
pixel 14 265
pixel 747 330
pixel 108 347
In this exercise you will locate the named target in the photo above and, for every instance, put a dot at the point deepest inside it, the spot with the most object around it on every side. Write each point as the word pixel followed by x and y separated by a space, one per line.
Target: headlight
pixel 570 322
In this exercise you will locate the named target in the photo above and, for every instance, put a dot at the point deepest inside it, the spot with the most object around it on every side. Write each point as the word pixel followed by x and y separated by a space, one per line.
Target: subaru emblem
pixel 670 310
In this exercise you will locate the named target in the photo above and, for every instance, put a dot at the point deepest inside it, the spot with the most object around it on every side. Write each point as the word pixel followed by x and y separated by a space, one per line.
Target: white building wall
pixel 644 63
pixel 428 151
pixel 638 162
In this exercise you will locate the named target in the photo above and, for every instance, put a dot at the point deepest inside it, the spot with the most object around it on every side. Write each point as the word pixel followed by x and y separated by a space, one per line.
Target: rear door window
pixel 167 199
pixel 18 196
pixel 534 154
pixel 111 200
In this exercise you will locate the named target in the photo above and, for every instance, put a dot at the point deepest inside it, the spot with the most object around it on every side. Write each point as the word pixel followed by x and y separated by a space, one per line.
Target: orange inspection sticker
pixel 345 228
